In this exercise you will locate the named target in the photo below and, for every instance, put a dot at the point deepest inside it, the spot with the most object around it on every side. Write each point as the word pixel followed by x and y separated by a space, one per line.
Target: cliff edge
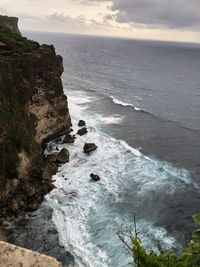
pixel 10 23
pixel 33 109
pixel 12 256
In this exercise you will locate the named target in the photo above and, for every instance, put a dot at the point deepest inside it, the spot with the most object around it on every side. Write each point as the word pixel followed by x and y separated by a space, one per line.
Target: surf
pixel 87 215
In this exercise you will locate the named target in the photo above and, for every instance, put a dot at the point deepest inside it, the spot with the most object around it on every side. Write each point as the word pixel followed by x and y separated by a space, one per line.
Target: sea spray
pixel 87 214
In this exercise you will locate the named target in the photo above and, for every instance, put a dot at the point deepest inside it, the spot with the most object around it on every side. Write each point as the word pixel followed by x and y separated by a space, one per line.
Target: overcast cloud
pixel 156 13
pixel 150 19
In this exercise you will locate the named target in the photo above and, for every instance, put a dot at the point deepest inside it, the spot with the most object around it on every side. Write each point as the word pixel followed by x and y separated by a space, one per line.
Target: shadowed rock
pixel 69 139
pixel 82 131
pixel 94 177
pixel 81 123
pixel 51 158
pixel 89 147
pixel 63 156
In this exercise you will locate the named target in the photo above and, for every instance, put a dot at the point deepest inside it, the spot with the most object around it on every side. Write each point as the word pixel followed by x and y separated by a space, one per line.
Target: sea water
pixel 140 101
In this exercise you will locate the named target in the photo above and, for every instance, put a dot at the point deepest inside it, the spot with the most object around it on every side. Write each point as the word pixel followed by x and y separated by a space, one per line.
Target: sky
pixel 173 20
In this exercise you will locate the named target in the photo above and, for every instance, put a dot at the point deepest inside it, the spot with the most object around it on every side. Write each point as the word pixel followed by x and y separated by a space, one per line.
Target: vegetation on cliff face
pixel 33 108
pixel 15 127
pixel 15 43
pixel 190 257
pixel 15 73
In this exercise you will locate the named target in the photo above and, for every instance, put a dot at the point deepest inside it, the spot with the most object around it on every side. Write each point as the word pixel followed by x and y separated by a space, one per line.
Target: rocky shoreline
pixel 38 225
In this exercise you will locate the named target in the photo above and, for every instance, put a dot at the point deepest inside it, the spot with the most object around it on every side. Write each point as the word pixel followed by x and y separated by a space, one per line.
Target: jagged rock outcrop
pixel 81 123
pixel 63 156
pixel 48 103
pixel 89 147
pixel 10 23
pixel 33 109
pixel 82 131
pixel 69 139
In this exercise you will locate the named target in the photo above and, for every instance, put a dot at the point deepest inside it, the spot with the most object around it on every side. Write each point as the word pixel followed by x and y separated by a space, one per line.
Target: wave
pixel 114 119
pixel 86 99
pixel 124 104
pixel 87 214
pixel 181 176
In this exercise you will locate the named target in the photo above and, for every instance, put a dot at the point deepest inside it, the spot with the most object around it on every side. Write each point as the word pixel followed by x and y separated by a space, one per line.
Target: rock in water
pixel 89 147
pixel 51 158
pixel 94 177
pixel 69 139
pixel 82 131
pixel 63 156
pixel 81 123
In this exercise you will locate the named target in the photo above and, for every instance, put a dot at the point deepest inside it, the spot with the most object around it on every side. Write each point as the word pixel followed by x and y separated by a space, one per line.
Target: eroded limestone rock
pixel 12 256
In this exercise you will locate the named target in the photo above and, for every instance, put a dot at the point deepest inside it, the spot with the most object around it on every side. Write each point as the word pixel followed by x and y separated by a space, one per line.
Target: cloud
pixel 67 20
pixel 79 22
pixel 149 19
pixel 174 14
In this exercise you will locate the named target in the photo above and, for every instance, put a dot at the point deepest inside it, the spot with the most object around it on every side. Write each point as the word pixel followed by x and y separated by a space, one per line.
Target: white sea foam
pixel 119 102
pixel 87 214
pixel 80 97
pixel 113 119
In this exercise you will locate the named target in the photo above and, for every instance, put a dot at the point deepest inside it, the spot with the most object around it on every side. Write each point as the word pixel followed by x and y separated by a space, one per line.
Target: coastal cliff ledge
pixel 33 109
pixel 12 256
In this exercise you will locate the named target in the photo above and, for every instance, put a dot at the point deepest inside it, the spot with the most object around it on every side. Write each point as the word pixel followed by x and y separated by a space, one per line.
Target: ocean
pixel 141 103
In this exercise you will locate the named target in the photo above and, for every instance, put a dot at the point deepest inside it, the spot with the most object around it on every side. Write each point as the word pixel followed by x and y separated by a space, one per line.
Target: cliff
pixel 33 109
pixel 10 23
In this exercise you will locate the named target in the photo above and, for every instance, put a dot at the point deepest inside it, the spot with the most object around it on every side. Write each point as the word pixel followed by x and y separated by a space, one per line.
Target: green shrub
pixel 15 43
pixel 190 257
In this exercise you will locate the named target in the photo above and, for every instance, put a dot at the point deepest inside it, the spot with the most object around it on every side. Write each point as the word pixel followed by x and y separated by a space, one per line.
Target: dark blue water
pixel 141 101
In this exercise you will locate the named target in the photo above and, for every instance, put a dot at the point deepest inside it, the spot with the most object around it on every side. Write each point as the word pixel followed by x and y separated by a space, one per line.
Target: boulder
pixel 89 147
pixel 69 139
pixel 81 123
pixel 50 169
pixel 94 177
pixel 82 131
pixel 51 158
pixel 63 156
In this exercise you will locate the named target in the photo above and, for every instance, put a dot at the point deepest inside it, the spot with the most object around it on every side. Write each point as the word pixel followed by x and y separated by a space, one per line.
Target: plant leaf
pixel 196 219
pixel 196 233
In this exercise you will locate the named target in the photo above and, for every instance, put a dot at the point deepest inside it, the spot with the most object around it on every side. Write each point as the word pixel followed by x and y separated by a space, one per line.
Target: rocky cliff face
pixel 33 109
pixel 10 23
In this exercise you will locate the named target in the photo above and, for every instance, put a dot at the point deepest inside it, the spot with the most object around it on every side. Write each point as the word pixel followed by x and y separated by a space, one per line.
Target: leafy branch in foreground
pixel 190 257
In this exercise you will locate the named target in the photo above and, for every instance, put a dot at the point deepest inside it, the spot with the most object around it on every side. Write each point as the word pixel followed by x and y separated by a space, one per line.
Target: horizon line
pixel 114 37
